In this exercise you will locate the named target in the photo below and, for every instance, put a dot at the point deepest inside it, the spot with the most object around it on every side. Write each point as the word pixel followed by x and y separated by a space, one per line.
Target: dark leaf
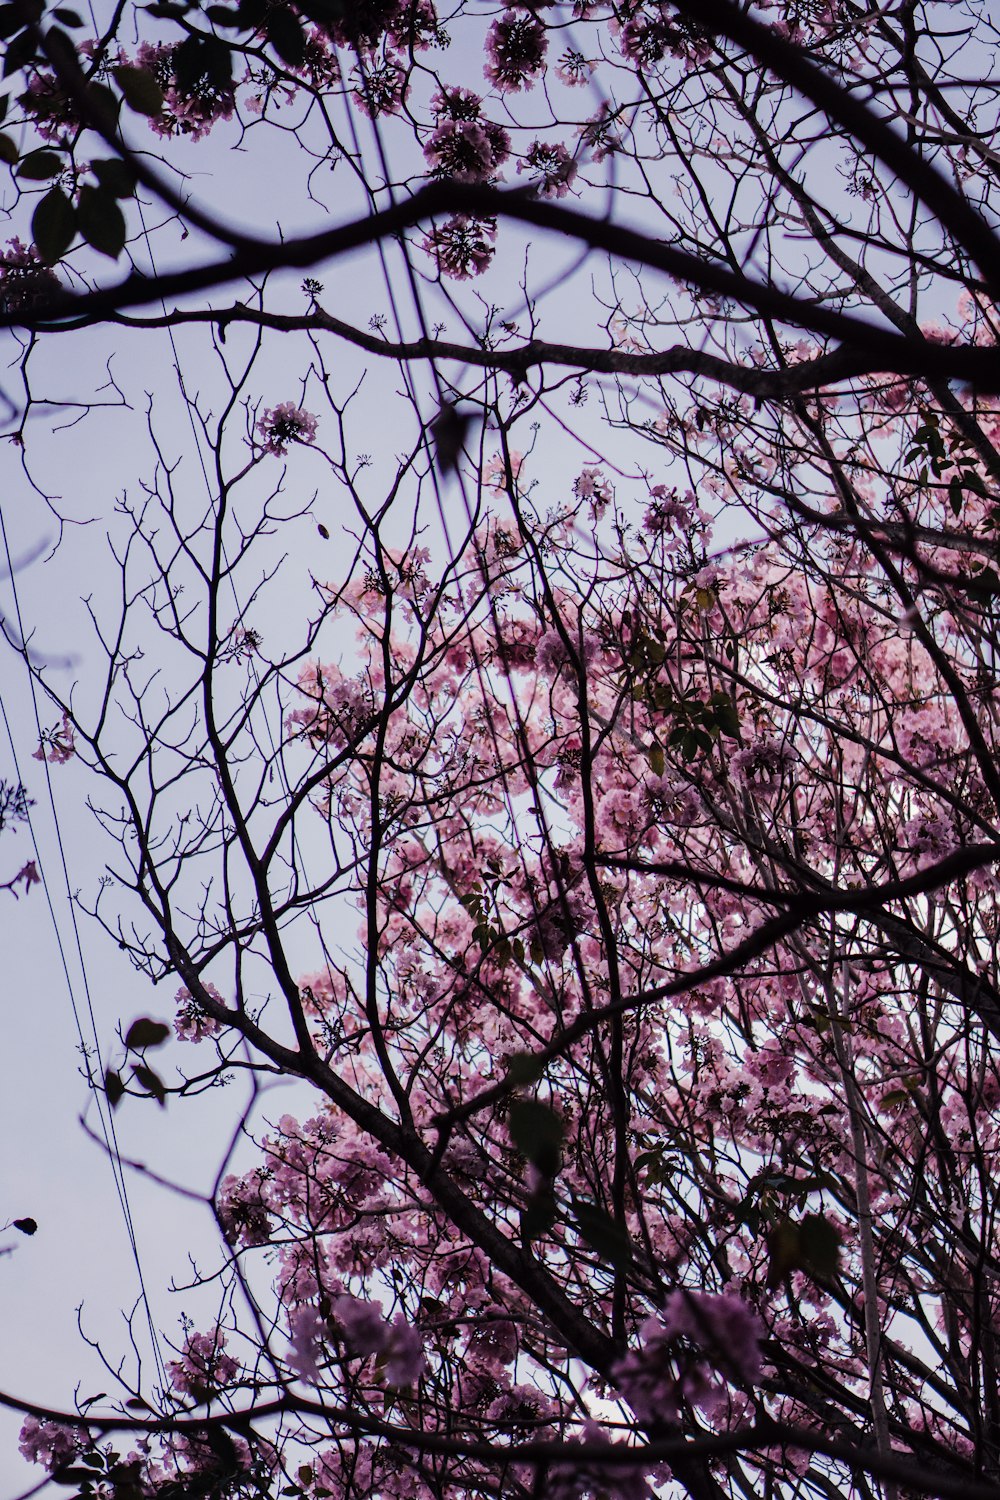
pixel 285 35
pixel 62 50
pixel 448 431
pixel 323 532
pixel 152 1082
pixel 819 1243
pixel 53 225
pixel 140 90
pixel 101 221
pixel 537 1216
pixel 524 1068
pixel 38 165
pixel 537 1132
pixel 146 1033
pixel 26 1226
pixel 203 59
pixel 11 20
pixel 20 51
pixel 115 176
pixel 224 15
pixel 67 17
pixel 603 1234
pixel 105 101
pixel 783 1251
pixel 8 151
pixel 113 1087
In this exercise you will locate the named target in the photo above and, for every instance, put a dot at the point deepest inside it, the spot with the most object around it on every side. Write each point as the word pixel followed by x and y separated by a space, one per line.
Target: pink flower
pixel 516 46
pixel 762 766
pixel 57 745
pixel 696 1338
pixel 553 166
pixel 243 1209
pixel 203 1368
pixel 364 1327
pixel 380 90
pixel 467 150
pixel 574 69
pixel 462 247
pixel 188 113
pixel 284 424
pixel 367 1332
pixel 306 1342
pixel 51 1444
pixel 404 1351
pixel 24 280
pixel 192 1023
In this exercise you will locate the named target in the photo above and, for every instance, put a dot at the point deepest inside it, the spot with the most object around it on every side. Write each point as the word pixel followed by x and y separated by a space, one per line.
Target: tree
pixel 603 826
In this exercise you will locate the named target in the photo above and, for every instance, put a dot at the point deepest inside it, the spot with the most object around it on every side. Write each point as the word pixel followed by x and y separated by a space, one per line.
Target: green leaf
pixel 101 221
pixel 140 89
pixel 38 165
pixel 115 176
pixel 524 1068
pixel 53 225
pixel 113 1087
pixel 151 1082
pixel 656 760
pixel 8 151
pixel 603 1234
pixel 146 1033
pixel 538 1133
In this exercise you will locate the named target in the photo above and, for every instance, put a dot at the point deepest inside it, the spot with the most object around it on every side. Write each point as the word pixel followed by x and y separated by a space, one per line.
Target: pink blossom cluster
pixel 191 114
pixel 462 246
pixel 762 766
pixel 51 1444
pixel 204 1368
pixel 464 146
pixel 283 424
pixel 57 745
pixel 192 1022
pixel 551 167
pixel 685 1349
pixel 366 1331
pixel 48 105
pixel 515 49
pixel 24 281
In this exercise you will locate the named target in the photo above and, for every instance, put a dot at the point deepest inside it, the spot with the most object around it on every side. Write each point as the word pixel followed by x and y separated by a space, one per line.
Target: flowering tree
pixel 606 837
